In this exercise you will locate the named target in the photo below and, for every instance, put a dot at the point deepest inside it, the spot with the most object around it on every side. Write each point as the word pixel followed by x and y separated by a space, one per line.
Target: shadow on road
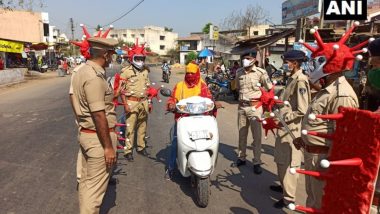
pixel 239 210
pixel 254 189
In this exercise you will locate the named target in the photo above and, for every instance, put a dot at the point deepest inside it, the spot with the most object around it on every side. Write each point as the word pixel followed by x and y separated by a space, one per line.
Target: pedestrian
pixel 92 101
pixel 135 81
pixel 249 80
pixel 330 60
pixel 286 156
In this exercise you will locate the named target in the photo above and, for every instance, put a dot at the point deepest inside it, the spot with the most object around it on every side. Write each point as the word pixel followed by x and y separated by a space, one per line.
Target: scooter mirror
pixel 165 92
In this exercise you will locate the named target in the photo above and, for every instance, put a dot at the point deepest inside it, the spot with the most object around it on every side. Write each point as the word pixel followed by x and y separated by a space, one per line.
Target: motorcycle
pixel 166 74
pixel 220 84
pixel 198 143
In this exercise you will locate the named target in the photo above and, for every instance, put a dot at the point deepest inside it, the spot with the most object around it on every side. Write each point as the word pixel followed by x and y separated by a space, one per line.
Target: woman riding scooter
pixel 192 85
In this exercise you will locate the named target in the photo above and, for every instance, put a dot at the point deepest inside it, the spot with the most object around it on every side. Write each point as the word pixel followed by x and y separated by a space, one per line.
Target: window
pixel 255 33
pixel 162 47
pixel 142 35
pixel 116 35
pixel 162 37
pixel 125 35
pixel 133 35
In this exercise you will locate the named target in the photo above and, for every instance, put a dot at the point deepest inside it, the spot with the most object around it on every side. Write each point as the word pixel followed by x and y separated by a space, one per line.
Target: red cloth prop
pixel 84 45
pixel 353 162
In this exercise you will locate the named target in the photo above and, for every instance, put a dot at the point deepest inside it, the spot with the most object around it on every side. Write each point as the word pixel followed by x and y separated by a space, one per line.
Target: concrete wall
pixel 12 75
pixel 21 26
pixel 149 35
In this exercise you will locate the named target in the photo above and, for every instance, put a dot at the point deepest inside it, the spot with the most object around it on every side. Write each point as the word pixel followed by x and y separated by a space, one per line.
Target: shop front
pixel 12 63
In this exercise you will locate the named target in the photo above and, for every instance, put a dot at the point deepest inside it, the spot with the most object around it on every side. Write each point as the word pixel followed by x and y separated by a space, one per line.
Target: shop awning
pixel 249 45
pixel 39 46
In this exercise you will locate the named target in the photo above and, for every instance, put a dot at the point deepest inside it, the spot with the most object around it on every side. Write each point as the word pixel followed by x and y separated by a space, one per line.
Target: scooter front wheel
pixel 202 191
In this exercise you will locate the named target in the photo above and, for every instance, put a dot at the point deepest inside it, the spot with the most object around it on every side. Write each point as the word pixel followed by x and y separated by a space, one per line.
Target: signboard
pixel 295 9
pixel 214 32
pixel 11 47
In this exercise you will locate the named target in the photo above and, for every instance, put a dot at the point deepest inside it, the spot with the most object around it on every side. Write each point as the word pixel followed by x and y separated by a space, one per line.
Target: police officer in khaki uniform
pixel 249 78
pixel 335 92
pixel 135 82
pixel 286 156
pixel 95 111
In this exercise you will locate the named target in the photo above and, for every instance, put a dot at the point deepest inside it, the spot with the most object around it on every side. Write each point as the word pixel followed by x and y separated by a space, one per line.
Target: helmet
pixel 136 55
pixel 332 57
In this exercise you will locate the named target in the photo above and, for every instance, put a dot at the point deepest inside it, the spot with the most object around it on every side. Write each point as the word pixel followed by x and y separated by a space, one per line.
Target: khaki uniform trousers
pixel 94 174
pixel 136 124
pixel 314 186
pixel 246 119
pixel 287 156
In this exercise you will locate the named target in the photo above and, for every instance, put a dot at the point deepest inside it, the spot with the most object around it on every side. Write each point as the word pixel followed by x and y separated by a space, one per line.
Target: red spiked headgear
pixel 338 56
pixel 84 45
pixel 136 50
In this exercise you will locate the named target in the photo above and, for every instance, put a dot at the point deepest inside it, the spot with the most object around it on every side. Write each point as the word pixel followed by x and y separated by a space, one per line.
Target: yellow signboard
pixel 12 47
pixel 216 35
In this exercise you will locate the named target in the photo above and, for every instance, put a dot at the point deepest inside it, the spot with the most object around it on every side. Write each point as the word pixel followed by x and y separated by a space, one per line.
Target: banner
pixel 295 9
pixel 11 47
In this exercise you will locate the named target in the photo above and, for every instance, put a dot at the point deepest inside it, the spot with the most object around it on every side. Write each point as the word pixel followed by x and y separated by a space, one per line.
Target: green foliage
pixel 173 54
pixel 98 27
pixel 206 28
pixel 168 29
pixel 191 56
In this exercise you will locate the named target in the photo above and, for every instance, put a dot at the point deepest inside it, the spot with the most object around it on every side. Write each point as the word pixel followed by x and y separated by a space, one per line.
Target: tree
pixel 191 56
pixel 206 28
pixel 252 16
pixel 21 4
pixel 168 29
pixel 173 54
pixel 98 27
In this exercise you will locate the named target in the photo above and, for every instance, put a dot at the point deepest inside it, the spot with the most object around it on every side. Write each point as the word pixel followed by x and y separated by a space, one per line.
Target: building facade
pixel 156 38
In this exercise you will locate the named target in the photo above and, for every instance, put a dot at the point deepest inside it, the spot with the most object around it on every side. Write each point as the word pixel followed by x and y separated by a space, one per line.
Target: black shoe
pixel 143 152
pixel 113 181
pixel 276 188
pixel 239 162
pixel 257 169
pixel 281 204
pixel 129 157
pixel 169 174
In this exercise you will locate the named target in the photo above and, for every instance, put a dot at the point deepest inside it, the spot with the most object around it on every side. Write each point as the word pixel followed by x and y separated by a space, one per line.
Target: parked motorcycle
pixel 198 143
pixel 220 84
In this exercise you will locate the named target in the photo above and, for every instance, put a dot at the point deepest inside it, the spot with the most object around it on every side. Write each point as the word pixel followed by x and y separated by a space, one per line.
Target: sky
pixel 183 16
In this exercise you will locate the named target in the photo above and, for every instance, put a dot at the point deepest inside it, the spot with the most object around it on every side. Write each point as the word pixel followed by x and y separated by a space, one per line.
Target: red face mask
pixel 192 79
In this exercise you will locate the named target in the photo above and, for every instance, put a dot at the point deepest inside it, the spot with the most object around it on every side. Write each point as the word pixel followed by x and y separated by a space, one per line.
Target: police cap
pixel 102 43
pixel 294 55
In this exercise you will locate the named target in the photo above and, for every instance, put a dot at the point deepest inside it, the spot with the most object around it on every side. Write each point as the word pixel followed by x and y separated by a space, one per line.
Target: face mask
pixel 191 79
pixel 285 67
pixel 247 63
pixel 374 77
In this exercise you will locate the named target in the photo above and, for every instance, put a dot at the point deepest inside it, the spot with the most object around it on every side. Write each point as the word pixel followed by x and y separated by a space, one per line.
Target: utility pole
pixel 72 35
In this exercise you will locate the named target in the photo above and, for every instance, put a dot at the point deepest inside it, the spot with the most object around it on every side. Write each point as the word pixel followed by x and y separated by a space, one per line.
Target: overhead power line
pixel 122 16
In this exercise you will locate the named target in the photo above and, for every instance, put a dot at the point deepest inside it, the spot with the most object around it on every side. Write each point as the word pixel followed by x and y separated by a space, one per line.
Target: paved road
pixel 38 155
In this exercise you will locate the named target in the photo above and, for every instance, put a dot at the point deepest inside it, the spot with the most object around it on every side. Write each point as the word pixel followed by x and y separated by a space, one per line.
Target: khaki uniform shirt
pixel 247 83
pixel 297 93
pixel 327 101
pixel 134 82
pixel 72 77
pixel 92 93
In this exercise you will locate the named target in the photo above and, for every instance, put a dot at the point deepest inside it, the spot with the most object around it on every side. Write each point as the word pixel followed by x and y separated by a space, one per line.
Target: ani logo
pixel 345 9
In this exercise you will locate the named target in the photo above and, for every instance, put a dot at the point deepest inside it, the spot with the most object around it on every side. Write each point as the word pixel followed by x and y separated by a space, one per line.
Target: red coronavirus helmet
pixel 333 57
pixel 84 45
pixel 136 55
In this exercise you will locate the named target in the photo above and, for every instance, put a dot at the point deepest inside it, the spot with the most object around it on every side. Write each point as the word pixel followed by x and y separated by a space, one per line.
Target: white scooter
pixel 197 143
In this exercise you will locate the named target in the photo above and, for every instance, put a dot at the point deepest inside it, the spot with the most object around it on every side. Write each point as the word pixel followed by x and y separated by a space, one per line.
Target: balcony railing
pixel 188 48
